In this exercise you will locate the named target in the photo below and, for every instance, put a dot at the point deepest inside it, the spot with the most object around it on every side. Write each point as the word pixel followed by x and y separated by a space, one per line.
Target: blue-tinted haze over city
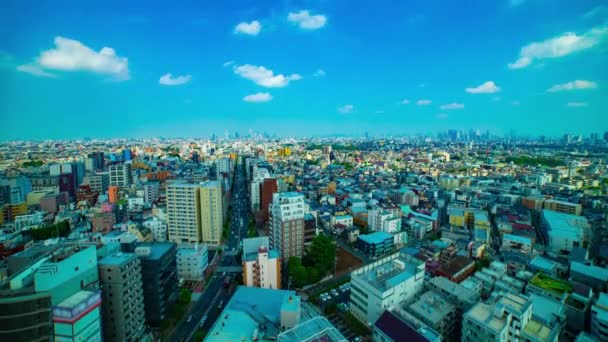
pixel 112 69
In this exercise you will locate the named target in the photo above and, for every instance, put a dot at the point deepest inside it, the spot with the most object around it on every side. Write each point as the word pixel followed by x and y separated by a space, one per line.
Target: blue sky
pixel 71 69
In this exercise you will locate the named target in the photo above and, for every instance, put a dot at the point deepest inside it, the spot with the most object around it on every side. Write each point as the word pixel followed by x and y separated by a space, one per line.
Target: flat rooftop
pixel 388 274
pixel 76 299
pixel 550 284
pixel 252 310
pixel 316 329
pixel 116 259
pixel 432 307
pixel 537 330
pixel 565 224
pixel 376 237
pixel 455 289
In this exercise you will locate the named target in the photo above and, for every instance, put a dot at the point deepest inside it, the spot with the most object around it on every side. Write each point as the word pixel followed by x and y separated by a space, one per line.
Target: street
pixel 215 293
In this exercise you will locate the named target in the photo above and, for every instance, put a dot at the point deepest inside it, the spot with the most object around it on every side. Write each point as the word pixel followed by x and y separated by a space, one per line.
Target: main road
pixel 211 301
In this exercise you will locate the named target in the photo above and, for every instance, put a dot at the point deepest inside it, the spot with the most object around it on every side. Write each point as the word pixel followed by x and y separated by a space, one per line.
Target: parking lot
pixel 335 303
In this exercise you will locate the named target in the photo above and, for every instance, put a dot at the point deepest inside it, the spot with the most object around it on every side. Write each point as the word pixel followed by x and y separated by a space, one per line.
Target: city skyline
pixel 302 68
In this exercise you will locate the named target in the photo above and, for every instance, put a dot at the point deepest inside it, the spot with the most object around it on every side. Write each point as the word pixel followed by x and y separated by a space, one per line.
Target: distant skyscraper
pixel 287 224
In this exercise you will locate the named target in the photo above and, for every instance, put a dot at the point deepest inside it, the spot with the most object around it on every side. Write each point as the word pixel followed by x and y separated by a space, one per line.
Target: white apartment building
pixel 151 190
pixel 120 175
pixel 224 165
pixel 287 224
pixel 390 281
pixel 192 261
pixel 259 174
pixel 261 266
pixel 28 221
pixel 183 219
pixel 509 319
pixel 158 228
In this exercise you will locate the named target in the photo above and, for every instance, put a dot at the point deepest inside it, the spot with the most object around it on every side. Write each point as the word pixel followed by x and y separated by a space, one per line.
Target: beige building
pixel 211 214
pixel 183 206
pixel 194 212
pixel 563 207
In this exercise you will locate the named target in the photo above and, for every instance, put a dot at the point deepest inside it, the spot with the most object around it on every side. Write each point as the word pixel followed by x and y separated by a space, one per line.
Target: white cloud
pixel 227 63
pixel 169 80
pixel 258 97
pixel 442 116
pixel 452 106
pixel 264 77
pixel 577 104
pixel 424 102
pixel 404 102
pixel 253 28
pixel 346 109
pixel 574 85
pixel 306 20
pixel 515 103
pixel 488 87
pixel 598 11
pixel 72 55
pixel 559 46
pixel 319 73
pixel 35 70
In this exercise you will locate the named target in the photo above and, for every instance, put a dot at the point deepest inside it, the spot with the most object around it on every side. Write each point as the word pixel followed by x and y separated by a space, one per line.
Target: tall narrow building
pixel 287 224
pixel 122 297
pixel 211 213
pixel 183 208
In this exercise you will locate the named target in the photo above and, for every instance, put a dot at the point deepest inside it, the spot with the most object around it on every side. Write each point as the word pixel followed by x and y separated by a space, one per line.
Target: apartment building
pixel 122 297
pixel 287 224
pixel 390 281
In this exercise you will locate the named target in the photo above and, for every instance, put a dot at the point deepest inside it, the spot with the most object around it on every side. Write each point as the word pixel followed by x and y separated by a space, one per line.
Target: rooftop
pixel 251 310
pixel 551 284
pixel 600 273
pixel 157 249
pixel 388 272
pixel 116 259
pixel 538 330
pixel 399 330
pixel 455 289
pixel 76 299
pixel 316 329
pixel 565 224
pixel 376 237
pixel 432 307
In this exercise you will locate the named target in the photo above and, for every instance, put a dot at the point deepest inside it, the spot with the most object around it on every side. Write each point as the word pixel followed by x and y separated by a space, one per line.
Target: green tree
pixel 185 296
pixel 322 252
pixel 297 272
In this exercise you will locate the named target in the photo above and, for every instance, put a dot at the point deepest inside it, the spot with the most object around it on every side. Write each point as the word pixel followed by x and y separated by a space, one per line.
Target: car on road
pixel 220 304
pixel 203 320
pixel 189 319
